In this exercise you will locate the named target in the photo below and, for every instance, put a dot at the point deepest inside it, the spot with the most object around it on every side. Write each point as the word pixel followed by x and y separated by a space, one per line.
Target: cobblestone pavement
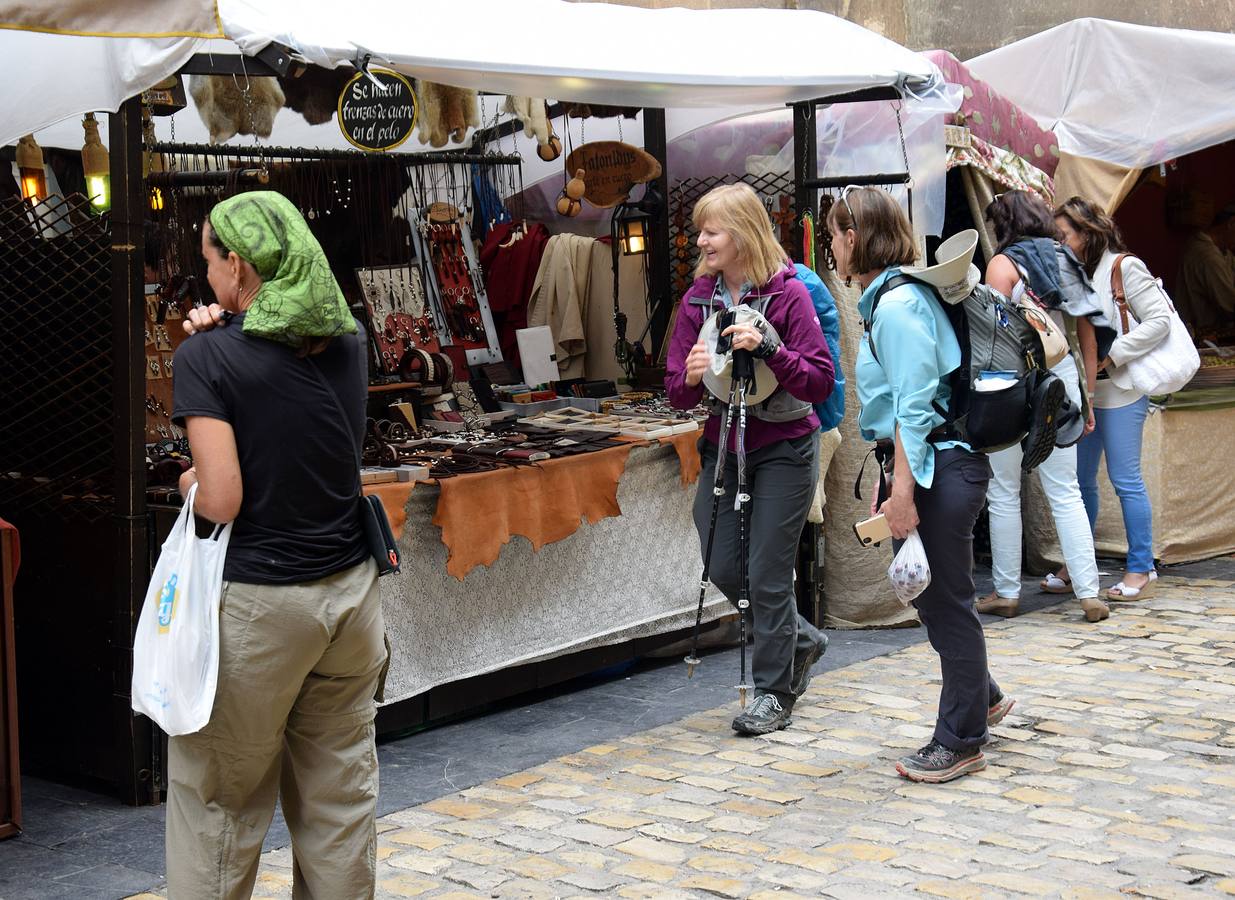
pixel 1112 776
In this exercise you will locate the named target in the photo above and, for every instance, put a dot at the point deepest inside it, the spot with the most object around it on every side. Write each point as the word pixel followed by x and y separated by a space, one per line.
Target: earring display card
pixel 164 333
pixel 400 316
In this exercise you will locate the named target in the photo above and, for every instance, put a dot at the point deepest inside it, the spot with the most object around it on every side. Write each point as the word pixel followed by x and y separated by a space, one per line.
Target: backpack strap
pixel 890 285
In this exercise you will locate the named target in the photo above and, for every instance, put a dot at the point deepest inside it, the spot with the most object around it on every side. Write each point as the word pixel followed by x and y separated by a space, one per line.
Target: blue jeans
pixel 1118 434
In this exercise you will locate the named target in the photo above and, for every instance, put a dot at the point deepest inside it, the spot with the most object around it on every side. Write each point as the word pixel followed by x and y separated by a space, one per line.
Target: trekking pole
pixel 743 374
pixel 718 491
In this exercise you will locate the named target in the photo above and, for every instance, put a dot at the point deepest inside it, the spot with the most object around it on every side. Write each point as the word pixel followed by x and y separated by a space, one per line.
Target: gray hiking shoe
pixel 935 763
pixel 763 716
pixel 999 708
pixel 802 665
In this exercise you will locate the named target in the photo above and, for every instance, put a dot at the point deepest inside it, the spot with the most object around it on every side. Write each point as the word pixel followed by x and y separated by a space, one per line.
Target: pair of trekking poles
pixel 743 372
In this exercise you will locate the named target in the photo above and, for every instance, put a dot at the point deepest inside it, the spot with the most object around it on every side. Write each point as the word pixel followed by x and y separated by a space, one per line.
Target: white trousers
pixel 1063 492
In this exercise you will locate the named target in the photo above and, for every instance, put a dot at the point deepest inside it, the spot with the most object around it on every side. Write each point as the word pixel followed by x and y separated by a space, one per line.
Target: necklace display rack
pixel 444 239
pixel 420 282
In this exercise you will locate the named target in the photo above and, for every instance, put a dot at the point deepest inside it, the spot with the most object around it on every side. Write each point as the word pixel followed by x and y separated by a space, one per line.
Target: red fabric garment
pixel 509 272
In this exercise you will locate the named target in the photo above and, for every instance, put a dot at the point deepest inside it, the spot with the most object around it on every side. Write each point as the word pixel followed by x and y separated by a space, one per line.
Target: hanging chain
pixel 620 138
pixel 246 94
pixel 900 131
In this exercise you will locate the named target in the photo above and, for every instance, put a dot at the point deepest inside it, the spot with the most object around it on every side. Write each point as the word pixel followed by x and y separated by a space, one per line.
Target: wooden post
pixel 133 752
pixel 655 142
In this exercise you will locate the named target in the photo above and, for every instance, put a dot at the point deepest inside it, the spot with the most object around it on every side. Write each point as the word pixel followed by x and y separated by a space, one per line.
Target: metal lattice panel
pixel 776 191
pixel 56 448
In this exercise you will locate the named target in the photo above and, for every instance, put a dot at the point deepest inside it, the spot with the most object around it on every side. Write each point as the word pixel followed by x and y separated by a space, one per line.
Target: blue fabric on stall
pixel 489 209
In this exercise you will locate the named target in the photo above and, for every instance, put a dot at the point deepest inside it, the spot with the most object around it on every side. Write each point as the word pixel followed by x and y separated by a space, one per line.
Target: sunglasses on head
pixel 844 198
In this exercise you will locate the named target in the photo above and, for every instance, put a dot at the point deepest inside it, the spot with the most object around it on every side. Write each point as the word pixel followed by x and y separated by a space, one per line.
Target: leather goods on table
pixel 543 503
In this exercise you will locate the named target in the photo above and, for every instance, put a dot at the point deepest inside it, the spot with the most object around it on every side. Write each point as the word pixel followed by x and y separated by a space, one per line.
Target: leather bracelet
pixel 419 361
pixel 445 368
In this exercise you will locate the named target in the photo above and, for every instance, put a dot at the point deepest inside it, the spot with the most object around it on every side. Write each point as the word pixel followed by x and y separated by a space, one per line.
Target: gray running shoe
pixel 763 716
pixel 802 665
pixel 999 708
pixel 935 763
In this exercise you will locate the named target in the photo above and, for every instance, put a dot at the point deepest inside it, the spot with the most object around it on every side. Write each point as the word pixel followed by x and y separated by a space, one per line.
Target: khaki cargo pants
pixel 293 714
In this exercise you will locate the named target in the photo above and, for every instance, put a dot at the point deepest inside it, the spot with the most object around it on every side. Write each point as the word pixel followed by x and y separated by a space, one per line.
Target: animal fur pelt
pixel 224 110
pixel 588 110
pixel 531 112
pixel 446 113
pixel 314 93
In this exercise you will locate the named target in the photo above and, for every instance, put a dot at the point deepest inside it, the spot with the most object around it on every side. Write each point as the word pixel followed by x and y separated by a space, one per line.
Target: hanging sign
pixel 611 169
pixel 377 118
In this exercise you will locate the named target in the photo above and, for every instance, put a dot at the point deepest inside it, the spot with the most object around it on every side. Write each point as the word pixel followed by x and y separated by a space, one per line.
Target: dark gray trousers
pixel 947 512
pixel 781 482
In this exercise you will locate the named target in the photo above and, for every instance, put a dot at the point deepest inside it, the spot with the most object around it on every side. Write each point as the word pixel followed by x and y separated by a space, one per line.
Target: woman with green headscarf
pixel 274 406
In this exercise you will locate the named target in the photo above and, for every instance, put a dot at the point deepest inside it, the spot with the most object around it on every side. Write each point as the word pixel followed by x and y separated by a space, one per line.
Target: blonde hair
pixel 737 210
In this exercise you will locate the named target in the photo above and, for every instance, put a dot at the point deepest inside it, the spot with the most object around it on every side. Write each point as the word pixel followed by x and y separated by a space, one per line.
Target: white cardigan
pixel 1149 322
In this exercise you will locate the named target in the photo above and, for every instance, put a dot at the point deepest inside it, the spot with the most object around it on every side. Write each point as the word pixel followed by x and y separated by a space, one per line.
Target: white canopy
pixel 1126 94
pixel 590 52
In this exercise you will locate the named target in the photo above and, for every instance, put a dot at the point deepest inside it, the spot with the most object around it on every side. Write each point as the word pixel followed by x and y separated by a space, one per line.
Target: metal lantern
pixel 633 226
pixel 96 166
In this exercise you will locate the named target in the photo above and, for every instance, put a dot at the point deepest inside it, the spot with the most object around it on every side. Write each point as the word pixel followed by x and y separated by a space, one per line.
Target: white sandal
pixel 1122 592
pixel 1053 584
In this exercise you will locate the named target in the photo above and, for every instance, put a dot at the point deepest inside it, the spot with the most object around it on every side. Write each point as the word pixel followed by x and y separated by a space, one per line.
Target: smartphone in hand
pixel 872 531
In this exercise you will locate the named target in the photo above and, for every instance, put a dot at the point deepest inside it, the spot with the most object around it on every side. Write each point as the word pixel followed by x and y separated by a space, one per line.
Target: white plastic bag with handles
pixel 910 572
pixel 176 649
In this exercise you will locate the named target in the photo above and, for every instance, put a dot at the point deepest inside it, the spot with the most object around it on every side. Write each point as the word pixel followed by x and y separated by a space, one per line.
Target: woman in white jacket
pixel 1120 413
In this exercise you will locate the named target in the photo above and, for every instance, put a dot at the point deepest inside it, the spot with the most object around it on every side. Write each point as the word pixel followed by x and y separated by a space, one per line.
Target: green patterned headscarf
pixel 299 297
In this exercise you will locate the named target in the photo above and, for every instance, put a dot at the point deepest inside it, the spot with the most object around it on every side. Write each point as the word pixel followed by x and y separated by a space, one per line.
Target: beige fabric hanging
pixel 1106 184
pixel 601 361
pixel 559 299
pixel 116 18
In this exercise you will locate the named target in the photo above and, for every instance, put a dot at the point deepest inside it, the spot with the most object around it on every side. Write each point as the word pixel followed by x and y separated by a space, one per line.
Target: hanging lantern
pixel 632 225
pixel 30 169
pixel 96 165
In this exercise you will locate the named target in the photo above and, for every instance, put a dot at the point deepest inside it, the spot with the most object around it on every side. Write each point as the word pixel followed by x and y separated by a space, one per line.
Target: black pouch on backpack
pixel 998 419
pixel 378 536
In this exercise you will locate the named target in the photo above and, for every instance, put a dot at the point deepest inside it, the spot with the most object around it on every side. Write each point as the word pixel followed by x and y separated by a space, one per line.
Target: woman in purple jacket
pixel 740 263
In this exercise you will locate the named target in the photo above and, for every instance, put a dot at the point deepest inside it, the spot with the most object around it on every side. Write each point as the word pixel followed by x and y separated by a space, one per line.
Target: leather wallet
pixel 378 536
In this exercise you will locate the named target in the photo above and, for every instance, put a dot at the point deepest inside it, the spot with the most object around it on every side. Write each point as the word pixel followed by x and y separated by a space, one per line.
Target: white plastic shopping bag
pixel 176 650
pixel 910 572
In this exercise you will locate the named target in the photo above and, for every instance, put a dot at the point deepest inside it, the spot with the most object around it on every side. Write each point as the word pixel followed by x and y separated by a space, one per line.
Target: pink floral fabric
pixel 995 119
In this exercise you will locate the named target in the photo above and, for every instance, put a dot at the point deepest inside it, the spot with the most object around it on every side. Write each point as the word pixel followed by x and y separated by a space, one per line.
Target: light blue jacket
pixel 917 349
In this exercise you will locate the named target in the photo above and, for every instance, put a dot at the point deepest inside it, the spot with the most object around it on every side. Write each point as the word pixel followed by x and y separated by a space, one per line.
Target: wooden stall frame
pixel 9 754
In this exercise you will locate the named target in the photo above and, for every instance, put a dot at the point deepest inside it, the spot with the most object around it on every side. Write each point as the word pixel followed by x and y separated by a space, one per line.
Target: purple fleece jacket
pixel 803 366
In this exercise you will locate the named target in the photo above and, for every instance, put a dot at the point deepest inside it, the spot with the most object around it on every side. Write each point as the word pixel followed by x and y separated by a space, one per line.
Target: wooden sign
pixel 611 169
pixel 374 117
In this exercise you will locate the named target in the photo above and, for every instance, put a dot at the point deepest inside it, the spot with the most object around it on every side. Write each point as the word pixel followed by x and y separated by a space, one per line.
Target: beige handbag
pixel 1054 341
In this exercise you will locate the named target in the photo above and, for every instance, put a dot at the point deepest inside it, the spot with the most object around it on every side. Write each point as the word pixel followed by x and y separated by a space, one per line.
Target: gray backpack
pixel 994 336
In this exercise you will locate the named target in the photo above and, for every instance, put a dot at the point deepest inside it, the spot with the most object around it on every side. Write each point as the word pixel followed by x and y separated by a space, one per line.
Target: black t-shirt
pixel 299 518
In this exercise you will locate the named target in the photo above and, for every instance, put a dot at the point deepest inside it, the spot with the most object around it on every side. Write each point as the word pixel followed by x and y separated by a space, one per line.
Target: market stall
pixel 1162 166
pixel 462 586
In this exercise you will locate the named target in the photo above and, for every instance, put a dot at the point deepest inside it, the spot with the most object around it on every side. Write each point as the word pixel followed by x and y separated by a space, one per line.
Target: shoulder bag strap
pixel 1117 290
